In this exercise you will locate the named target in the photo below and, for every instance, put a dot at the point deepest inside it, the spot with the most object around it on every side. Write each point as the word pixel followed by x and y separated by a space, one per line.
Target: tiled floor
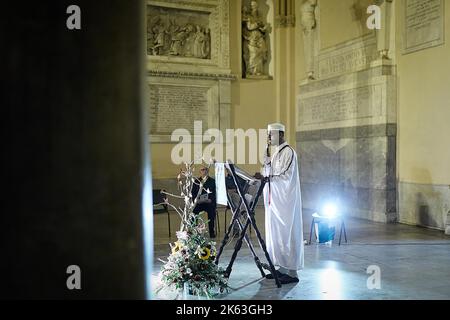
pixel 414 263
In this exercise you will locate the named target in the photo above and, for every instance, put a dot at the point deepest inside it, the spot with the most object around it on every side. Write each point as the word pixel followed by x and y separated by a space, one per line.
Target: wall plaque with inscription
pixel 423 24
pixel 352 59
pixel 174 107
pixel 341 105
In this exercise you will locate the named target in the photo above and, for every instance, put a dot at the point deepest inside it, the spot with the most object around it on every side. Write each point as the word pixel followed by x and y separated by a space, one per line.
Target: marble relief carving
pixel 178 32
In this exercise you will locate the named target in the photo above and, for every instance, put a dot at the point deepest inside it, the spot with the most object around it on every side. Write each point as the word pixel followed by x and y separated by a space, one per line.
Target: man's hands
pixel 268 146
pixel 259 176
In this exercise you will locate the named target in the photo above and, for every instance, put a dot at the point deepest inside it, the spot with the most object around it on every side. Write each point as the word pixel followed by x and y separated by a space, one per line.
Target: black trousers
pixel 211 210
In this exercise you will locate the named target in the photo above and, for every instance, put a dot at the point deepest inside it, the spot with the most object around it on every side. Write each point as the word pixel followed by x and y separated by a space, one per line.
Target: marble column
pixel 76 161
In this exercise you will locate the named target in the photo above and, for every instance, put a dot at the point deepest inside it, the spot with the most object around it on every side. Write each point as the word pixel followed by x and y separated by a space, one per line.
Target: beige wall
pixel 424 111
pixel 162 166
pixel 342 20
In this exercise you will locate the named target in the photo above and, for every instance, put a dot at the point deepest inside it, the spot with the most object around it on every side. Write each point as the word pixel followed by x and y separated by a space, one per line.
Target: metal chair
pixel 225 216
pixel 217 222
pixel 159 201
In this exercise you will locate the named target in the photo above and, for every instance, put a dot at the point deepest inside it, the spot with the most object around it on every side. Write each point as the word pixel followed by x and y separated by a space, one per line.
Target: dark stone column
pixel 75 151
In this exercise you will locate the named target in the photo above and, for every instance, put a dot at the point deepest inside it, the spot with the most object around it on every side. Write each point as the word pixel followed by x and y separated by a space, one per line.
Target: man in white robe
pixel 283 207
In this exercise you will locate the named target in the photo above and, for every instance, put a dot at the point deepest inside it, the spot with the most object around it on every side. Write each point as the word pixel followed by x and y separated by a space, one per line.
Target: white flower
pixel 189 271
pixel 182 235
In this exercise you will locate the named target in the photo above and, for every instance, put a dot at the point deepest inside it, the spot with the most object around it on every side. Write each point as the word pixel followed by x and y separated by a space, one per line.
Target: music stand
pixel 250 212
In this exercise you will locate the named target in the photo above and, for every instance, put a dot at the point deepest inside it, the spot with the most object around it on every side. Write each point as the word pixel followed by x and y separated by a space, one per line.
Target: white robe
pixel 284 226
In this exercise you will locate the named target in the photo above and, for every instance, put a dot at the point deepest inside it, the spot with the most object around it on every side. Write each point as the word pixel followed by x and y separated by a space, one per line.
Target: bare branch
pixel 171 195
pixel 173 207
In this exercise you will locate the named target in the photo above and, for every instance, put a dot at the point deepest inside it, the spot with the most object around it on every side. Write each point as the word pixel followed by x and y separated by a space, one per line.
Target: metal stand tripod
pixel 249 210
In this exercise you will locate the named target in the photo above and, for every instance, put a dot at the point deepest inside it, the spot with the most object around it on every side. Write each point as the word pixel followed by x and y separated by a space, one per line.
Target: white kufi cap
pixel 276 127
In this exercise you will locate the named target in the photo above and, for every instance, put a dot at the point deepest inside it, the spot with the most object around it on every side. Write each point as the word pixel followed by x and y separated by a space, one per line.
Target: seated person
pixel 209 204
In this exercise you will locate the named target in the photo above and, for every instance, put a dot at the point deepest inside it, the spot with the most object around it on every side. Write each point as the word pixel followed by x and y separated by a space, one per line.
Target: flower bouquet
pixel 191 262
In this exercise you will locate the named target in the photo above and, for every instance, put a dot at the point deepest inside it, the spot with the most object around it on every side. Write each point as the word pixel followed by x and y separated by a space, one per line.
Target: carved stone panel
pixel 350 56
pixel 365 98
pixel 351 104
pixel 178 102
pixel 188 36
pixel 176 106
pixel 179 33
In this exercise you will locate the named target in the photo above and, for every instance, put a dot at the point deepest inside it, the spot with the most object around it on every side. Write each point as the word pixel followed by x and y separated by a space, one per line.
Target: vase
pixel 188 293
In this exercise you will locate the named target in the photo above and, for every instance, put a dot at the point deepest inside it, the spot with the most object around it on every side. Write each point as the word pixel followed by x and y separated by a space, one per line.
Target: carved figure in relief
pixel 199 43
pixel 255 51
pixel 160 40
pixel 309 23
pixel 188 47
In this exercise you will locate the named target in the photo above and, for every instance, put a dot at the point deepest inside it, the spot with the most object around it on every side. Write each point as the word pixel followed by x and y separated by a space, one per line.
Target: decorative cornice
pixel 191 75
pixel 179 3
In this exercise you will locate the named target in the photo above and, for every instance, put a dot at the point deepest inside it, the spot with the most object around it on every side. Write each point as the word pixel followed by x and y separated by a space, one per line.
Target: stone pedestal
pixel 447 226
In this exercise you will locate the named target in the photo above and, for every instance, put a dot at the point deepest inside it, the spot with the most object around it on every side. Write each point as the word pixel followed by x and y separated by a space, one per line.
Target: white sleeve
pixel 265 170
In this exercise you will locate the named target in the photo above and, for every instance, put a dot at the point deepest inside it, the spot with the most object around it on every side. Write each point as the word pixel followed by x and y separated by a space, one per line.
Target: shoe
pixel 285 279
pixel 279 274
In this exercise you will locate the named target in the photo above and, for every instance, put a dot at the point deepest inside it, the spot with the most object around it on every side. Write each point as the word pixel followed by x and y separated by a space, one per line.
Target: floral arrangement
pixel 191 262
